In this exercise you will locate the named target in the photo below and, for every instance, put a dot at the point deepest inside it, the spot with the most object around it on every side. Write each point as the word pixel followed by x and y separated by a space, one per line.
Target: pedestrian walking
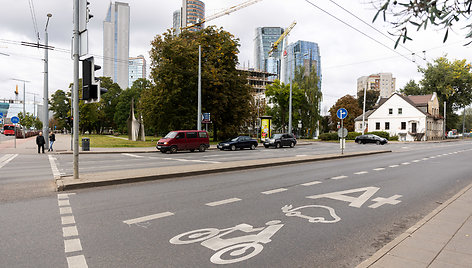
pixel 40 142
pixel 52 139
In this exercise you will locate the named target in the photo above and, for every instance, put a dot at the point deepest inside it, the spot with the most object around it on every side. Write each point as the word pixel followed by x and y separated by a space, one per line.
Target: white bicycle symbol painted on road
pixel 237 248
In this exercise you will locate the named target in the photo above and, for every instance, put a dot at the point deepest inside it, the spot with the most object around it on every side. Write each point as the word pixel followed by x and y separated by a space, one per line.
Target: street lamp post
pixel 363 111
pixel 46 85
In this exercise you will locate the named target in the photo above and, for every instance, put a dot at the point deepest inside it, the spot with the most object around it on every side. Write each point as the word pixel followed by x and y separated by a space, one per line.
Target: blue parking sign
pixel 1 115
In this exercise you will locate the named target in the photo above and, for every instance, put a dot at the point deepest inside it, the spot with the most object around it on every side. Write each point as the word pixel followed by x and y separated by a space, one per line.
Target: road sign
pixel 341 113
pixel 342 132
pixel 1 115
pixel 15 120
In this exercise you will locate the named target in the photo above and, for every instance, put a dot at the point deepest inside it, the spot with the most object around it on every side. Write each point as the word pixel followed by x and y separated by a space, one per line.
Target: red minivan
pixel 180 140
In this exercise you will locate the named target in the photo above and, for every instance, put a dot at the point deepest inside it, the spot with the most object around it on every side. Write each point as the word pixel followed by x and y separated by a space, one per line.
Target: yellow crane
pixel 281 38
pixel 222 13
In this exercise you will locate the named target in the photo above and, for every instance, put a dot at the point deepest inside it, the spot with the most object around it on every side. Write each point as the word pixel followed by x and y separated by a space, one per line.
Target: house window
pixel 400 110
pixel 390 111
pixel 387 125
pixel 403 125
pixel 377 125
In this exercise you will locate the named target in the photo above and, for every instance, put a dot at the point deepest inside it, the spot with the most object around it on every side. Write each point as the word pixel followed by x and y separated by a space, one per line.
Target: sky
pixel 349 48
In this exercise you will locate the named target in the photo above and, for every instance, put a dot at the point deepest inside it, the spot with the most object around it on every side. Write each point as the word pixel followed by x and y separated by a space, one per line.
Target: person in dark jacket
pixel 40 142
pixel 52 139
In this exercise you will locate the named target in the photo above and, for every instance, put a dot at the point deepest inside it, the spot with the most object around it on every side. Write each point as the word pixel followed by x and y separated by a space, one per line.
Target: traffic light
pixel 84 15
pixel 91 90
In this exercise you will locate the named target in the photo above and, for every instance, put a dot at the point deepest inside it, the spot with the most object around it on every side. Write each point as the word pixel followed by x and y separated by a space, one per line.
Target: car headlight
pixel 272 140
pixel 165 143
pixel 226 144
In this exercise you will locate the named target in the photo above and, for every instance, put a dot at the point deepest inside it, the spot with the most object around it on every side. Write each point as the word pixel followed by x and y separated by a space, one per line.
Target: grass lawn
pixel 109 141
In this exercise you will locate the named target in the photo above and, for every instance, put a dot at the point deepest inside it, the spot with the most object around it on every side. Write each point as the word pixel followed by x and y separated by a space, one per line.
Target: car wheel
pixel 377 142
pixel 266 146
pixel 202 148
pixel 359 142
pixel 233 148
pixel 163 151
pixel 253 146
pixel 173 149
pixel 277 145
pixel 292 144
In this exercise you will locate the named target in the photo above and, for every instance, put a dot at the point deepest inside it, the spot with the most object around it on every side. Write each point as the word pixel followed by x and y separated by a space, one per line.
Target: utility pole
pixel 199 110
pixel 444 123
pixel 363 111
pixel 76 89
pixel 46 87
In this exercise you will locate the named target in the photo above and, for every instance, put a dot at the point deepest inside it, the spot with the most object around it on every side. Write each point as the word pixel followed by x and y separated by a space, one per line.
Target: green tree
pixel 371 98
pixel 412 88
pixel 172 102
pixel 107 105
pixel 59 104
pixel 123 104
pixel 349 103
pixel 419 13
pixel 310 100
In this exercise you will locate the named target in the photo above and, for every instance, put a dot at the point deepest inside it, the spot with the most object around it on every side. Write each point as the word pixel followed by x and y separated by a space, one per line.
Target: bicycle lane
pixel 150 224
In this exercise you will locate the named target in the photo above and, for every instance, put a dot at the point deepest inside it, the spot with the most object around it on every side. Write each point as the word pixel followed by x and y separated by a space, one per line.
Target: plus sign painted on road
pixel 392 200
pixel 341 113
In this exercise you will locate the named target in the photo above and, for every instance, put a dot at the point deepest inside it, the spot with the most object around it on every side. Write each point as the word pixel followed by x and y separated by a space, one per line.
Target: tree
pixel 412 88
pixel 420 13
pixel 29 121
pixel 107 105
pixel 371 98
pixel 59 104
pixel 349 103
pixel 172 102
pixel 309 105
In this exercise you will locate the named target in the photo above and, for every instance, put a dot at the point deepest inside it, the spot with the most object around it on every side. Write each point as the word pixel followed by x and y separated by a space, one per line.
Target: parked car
pixel 370 138
pixel 239 142
pixel 181 140
pixel 281 140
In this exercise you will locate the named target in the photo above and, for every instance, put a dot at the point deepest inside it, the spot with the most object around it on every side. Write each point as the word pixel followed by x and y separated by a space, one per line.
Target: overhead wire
pixel 33 17
pixel 359 31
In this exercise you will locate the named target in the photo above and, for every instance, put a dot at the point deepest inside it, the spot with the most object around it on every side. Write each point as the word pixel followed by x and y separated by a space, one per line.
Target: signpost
pixel 342 133
pixel 15 120
pixel 1 117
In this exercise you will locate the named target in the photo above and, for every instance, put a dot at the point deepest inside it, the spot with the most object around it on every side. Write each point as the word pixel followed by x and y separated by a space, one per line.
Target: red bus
pixel 9 129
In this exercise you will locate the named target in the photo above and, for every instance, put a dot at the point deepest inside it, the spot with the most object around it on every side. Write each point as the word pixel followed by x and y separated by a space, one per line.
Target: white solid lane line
pixel 54 169
pixel 339 177
pixel 222 202
pixel 361 172
pixel 6 159
pixel 148 218
pixel 132 155
pixel 274 191
pixel 311 183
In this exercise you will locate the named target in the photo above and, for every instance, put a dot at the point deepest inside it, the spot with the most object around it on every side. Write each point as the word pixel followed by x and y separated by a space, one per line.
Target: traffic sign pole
pixel 342 138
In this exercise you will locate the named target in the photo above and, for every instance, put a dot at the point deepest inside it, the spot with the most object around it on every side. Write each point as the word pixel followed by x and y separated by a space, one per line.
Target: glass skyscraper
pixel 194 12
pixel 265 37
pixel 137 69
pixel 301 53
pixel 116 43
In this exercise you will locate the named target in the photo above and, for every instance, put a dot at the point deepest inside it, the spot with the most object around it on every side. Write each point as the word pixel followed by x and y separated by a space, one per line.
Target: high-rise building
pixel 301 53
pixel 381 82
pixel 116 43
pixel 192 11
pixel 265 37
pixel 137 69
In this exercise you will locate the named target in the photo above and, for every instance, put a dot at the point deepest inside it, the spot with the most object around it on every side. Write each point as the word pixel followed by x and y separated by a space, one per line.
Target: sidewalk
pixel 441 239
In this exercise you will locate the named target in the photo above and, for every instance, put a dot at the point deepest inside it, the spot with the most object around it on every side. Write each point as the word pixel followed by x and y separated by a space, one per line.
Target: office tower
pixel 381 82
pixel 116 43
pixel 265 37
pixel 192 11
pixel 137 69
pixel 302 53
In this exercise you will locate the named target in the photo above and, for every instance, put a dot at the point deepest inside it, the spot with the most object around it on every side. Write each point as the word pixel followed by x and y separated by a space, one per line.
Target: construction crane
pixel 281 38
pixel 222 13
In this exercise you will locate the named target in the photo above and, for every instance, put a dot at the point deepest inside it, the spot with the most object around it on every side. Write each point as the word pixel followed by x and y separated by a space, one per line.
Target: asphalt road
pixel 341 212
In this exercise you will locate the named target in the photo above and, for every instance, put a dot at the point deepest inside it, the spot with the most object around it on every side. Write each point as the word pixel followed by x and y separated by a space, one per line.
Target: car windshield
pixel 171 135
pixel 234 139
pixel 276 136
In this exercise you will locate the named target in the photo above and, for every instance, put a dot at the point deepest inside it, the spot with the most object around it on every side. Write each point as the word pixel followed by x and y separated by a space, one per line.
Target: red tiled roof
pixel 420 99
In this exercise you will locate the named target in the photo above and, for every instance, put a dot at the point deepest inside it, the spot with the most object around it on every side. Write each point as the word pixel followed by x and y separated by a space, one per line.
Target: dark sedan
pixel 281 140
pixel 371 138
pixel 238 143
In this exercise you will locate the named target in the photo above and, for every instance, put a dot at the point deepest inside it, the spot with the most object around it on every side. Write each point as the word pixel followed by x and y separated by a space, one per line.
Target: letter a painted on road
pixel 354 201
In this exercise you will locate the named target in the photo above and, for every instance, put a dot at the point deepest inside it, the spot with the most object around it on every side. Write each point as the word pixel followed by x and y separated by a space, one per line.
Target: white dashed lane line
pixel 222 202
pixel 394 166
pixel 148 218
pixel 379 169
pixel 310 183
pixel 338 177
pixel 406 163
pixel 132 155
pixel 361 172
pixel 275 191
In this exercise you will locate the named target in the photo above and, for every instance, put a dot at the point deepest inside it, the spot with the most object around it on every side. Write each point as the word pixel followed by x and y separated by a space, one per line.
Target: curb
pixel 387 248
pixel 100 179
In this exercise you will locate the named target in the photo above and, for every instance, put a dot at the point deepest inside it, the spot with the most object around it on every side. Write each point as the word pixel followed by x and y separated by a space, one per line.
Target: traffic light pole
pixel 76 89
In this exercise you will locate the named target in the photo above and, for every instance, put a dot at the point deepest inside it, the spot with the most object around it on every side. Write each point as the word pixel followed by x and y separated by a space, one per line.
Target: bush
pixel 382 134
pixel 352 135
pixel 393 138
pixel 328 136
